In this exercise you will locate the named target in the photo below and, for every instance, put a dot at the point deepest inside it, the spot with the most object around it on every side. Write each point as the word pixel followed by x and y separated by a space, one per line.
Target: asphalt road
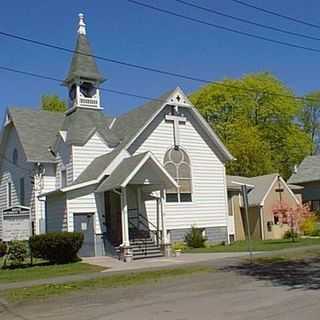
pixel 217 295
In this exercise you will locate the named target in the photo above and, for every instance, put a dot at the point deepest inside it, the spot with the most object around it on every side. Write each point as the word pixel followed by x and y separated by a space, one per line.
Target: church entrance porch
pixel 136 180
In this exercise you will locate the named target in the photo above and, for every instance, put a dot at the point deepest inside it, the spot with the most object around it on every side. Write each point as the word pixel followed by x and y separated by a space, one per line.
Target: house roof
pixel 129 124
pixel 83 123
pixel 261 186
pixel 37 130
pixel 122 171
pixel 129 167
pixel 96 168
pixel 83 64
pixel 308 171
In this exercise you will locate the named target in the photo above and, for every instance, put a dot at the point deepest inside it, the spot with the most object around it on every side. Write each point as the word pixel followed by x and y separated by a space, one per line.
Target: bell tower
pixel 83 79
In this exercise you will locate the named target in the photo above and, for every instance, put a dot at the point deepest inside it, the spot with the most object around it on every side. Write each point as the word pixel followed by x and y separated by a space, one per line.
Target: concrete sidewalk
pixel 117 267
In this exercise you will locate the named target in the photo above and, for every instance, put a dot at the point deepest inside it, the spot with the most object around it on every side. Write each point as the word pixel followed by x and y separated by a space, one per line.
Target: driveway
pixel 232 295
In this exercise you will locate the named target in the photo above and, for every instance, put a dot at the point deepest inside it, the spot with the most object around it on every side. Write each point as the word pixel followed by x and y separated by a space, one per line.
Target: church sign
pixel 16 224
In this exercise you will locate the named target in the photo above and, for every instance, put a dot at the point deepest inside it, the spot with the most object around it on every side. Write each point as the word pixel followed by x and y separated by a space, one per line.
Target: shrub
pixel 309 225
pixel 179 246
pixel 195 238
pixel 290 234
pixel 3 249
pixel 17 252
pixel 57 247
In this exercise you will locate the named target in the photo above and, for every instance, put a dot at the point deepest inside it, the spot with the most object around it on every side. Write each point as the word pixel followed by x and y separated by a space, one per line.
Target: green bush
pixel 293 235
pixel 57 247
pixel 195 239
pixel 17 252
pixel 3 249
pixel 309 225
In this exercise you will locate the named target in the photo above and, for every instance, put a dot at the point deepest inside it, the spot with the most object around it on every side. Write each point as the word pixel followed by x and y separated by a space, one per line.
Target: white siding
pixel 86 201
pixel 12 173
pixel 64 158
pixel 82 156
pixel 209 206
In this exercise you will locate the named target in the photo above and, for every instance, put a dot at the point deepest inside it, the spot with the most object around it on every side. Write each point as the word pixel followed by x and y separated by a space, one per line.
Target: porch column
pixel 165 241
pixel 124 218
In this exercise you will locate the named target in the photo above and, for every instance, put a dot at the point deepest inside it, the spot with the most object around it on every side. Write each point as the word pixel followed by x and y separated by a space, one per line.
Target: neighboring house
pixel 307 174
pixel 264 193
pixel 151 173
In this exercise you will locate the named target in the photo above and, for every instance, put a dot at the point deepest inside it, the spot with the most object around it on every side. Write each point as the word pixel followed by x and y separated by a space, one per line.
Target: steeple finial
pixel 82 25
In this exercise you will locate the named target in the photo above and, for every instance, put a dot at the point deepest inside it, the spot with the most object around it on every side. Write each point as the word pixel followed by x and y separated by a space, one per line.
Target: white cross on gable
pixel 176 121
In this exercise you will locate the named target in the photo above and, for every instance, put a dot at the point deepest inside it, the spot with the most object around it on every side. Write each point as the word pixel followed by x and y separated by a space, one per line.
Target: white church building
pixel 133 184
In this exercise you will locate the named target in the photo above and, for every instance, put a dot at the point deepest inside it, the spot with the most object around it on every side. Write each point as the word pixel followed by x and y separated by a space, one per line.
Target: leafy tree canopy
pixel 53 103
pixel 309 118
pixel 260 129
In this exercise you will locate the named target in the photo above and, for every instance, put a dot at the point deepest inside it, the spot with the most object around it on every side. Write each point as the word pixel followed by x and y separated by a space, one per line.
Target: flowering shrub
pixel 293 217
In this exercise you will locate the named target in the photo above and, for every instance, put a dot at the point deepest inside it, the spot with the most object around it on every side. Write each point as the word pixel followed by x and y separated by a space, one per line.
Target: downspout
pixel 262 223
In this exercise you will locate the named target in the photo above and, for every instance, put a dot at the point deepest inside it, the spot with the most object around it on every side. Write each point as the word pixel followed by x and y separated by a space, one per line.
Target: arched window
pixel 177 163
pixel 15 157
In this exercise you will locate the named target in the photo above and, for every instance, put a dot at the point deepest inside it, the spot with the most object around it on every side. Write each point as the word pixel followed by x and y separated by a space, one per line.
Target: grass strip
pixel 258 245
pixel 42 271
pixel 123 280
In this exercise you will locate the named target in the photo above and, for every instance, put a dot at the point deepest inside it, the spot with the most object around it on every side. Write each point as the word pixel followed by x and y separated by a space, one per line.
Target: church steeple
pixel 84 78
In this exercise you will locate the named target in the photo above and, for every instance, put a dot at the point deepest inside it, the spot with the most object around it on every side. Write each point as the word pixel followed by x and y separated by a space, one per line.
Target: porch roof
pixel 143 168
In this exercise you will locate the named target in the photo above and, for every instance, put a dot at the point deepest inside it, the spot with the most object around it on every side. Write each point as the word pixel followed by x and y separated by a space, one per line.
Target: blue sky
pixel 120 30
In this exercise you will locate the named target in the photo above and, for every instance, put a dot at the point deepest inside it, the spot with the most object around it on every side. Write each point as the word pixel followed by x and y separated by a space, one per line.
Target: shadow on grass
pixel 295 274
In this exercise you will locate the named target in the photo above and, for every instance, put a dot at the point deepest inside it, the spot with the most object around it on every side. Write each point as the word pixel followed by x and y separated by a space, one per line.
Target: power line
pixel 142 67
pixel 124 93
pixel 277 14
pixel 41 76
pixel 221 27
pixel 268 27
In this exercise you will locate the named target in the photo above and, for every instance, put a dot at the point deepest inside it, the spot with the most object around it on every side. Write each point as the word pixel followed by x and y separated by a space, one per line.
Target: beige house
pixel 265 192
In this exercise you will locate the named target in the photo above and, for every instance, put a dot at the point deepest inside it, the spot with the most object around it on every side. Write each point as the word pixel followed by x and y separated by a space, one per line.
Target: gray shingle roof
pixel 97 167
pixel 261 186
pixel 82 123
pixel 129 124
pixel 37 130
pixel 308 171
pixel 121 172
pixel 83 65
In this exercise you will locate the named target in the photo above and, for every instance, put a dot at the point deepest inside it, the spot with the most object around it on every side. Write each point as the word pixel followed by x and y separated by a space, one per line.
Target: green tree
pixel 259 128
pixel 53 103
pixel 309 118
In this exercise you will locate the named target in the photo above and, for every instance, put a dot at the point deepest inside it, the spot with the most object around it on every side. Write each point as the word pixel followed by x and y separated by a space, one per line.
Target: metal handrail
pixel 146 223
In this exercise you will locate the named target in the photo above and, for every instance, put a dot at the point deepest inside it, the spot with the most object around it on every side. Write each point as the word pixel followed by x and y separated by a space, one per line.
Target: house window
pixel 177 163
pixel 63 178
pixel 15 157
pixel 9 194
pixel 22 192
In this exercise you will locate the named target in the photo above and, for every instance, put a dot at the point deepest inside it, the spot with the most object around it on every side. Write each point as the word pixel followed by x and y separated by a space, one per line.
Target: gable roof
pixel 130 123
pixel 96 168
pixel 82 123
pixel 83 65
pixel 261 185
pixel 308 171
pixel 36 131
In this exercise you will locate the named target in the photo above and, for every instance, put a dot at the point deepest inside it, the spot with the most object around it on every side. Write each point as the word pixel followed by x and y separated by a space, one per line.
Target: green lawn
pixel 123 280
pixel 41 271
pixel 258 245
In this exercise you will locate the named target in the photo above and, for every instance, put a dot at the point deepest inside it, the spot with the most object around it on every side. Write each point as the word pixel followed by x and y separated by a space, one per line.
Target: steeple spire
pixel 82 25
pixel 84 78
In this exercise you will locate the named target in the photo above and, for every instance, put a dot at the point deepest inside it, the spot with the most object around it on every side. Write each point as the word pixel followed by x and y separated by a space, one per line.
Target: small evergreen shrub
pixel 194 238
pixel 3 249
pixel 57 247
pixel 17 252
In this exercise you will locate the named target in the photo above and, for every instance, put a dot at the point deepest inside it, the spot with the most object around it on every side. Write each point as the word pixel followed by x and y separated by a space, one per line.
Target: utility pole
pixel 244 191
